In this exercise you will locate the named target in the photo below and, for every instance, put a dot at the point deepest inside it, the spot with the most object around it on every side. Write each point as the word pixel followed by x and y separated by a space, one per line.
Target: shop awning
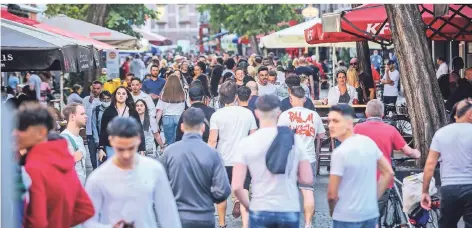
pixel 26 48
pixel 370 22
pixel 105 35
pixel 97 44
pixel 153 38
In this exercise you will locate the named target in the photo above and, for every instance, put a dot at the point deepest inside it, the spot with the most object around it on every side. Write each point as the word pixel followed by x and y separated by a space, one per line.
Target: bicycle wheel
pixel 393 216
pixel 403 125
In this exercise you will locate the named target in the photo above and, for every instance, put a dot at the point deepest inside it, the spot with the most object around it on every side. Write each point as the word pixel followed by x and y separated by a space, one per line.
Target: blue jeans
pixel 371 223
pixel 170 126
pixel 266 219
pixel 92 146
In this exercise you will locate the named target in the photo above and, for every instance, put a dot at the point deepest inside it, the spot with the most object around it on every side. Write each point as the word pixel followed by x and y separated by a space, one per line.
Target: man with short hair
pixel 195 192
pixel 386 137
pixel 197 100
pixel 252 85
pixel 230 64
pixel 272 155
pixel 263 83
pixel 390 82
pixel 463 91
pixel 96 120
pixel 452 146
pixel 353 172
pixel 154 85
pixel 308 128
pixel 229 125
pixel 127 81
pixel 155 62
pixel 442 67
pixel 56 196
pixel 128 187
pixel 138 94
pixel 285 104
pixel 243 96
pixel 89 103
pixel 76 119
pixel 304 69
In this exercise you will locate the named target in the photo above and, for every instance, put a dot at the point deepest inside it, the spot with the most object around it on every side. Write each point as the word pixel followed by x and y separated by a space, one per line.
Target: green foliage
pixel 245 19
pixel 118 17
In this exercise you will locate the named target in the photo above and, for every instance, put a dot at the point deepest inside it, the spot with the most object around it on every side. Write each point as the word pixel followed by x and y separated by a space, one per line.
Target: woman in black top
pixel 198 70
pixel 122 105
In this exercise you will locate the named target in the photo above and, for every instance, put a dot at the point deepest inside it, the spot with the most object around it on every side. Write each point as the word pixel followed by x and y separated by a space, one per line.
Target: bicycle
pixel 418 218
pixel 393 215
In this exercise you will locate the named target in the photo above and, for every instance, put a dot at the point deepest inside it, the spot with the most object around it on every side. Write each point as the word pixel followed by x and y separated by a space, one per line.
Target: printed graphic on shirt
pixel 301 125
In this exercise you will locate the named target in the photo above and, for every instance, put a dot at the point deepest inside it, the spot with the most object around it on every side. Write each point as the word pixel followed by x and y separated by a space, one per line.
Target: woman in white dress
pixel 151 130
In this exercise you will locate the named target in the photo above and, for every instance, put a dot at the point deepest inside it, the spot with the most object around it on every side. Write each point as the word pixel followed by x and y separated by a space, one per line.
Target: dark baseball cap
pixel 390 62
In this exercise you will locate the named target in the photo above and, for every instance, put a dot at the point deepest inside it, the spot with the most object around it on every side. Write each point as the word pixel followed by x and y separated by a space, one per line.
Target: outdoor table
pixel 324 109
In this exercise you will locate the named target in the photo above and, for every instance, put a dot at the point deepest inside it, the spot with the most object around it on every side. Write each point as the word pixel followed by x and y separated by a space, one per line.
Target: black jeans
pixel 92 146
pixel 388 100
pixel 197 224
pixel 456 202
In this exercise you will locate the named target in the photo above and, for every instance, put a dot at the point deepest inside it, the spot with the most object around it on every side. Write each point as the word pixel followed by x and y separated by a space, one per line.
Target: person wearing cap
pixel 390 81
pixel 137 67
pixel 376 60
pixel 353 173
pixel 197 100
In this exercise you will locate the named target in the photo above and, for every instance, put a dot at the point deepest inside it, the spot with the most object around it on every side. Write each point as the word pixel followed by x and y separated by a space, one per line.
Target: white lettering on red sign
pixel 373 28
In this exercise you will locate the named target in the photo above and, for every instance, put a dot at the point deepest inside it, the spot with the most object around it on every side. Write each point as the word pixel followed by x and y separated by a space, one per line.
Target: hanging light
pixel 310 12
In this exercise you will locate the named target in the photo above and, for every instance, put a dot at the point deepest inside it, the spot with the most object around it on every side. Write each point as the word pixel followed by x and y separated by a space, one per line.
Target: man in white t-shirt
pixel 76 119
pixel 274 195
pixel 263 83
pixel 308 127
pixel 390 81
pixel 353 190
pixel 442 67
pixel 229 125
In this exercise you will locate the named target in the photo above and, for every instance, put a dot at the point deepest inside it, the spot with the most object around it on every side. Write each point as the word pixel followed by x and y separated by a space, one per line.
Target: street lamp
pixel 310 12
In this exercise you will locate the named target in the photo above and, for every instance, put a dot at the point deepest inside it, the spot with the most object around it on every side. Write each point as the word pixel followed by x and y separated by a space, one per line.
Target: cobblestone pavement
pixel 322 218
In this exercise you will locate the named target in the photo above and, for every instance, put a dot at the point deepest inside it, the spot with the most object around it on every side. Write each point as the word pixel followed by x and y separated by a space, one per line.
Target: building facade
pixel 176 22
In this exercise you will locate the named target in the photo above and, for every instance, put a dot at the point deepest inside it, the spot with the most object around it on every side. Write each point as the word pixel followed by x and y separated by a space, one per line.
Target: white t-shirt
pixel 141 194
pixel 355 160
pixel 307 125
pixel 443 69
pixel 270 192
pixel 389 90
pixel 233 124
pixel 267 89
pixel 171 109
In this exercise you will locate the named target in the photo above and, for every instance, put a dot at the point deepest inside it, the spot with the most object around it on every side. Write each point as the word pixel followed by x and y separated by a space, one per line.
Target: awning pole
pixel 334 65
pixel 61 87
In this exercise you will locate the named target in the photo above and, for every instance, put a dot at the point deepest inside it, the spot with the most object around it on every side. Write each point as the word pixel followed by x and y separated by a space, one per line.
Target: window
pixel 161 14
pixel 184 14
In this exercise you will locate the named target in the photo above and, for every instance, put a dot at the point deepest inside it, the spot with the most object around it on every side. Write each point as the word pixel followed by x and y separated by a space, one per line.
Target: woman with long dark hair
pixel 150 128
pixel 122 105
pixel 170 107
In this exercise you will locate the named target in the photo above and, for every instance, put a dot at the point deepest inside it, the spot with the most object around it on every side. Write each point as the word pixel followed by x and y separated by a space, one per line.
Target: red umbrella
pixel 9 16
pixel 369 22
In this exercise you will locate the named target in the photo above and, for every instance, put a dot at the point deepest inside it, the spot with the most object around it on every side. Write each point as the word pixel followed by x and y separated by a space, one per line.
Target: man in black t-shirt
pixel 303 68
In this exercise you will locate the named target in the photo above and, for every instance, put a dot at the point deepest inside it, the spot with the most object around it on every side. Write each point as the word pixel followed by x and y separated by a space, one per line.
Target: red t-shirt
pixel 384 135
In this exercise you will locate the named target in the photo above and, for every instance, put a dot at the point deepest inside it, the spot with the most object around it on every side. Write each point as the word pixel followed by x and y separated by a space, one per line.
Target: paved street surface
pixel 322 218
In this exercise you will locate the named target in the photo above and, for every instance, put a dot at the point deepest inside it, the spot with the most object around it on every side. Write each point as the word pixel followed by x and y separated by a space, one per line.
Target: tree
pixel 249 19
pixel 425 104
pixel 118 17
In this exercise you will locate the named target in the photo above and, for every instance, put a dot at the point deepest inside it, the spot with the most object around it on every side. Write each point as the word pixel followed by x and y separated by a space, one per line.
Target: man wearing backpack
pixel 76 118
pixel 197 100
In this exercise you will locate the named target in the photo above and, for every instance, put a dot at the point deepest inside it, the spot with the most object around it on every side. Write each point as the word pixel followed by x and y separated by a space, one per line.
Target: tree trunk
pixel 363 53
pixel 424 101
pixel 96 14
pixel 254 45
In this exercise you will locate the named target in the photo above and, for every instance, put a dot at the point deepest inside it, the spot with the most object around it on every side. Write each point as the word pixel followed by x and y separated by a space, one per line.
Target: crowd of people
pixel 169 143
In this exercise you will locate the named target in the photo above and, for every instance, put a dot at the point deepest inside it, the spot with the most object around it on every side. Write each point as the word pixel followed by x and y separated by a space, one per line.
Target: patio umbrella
pixel 24 48
pixel 370 22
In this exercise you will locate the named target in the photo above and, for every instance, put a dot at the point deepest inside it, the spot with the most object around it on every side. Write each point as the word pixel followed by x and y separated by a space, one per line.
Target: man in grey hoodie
pixel 196 173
